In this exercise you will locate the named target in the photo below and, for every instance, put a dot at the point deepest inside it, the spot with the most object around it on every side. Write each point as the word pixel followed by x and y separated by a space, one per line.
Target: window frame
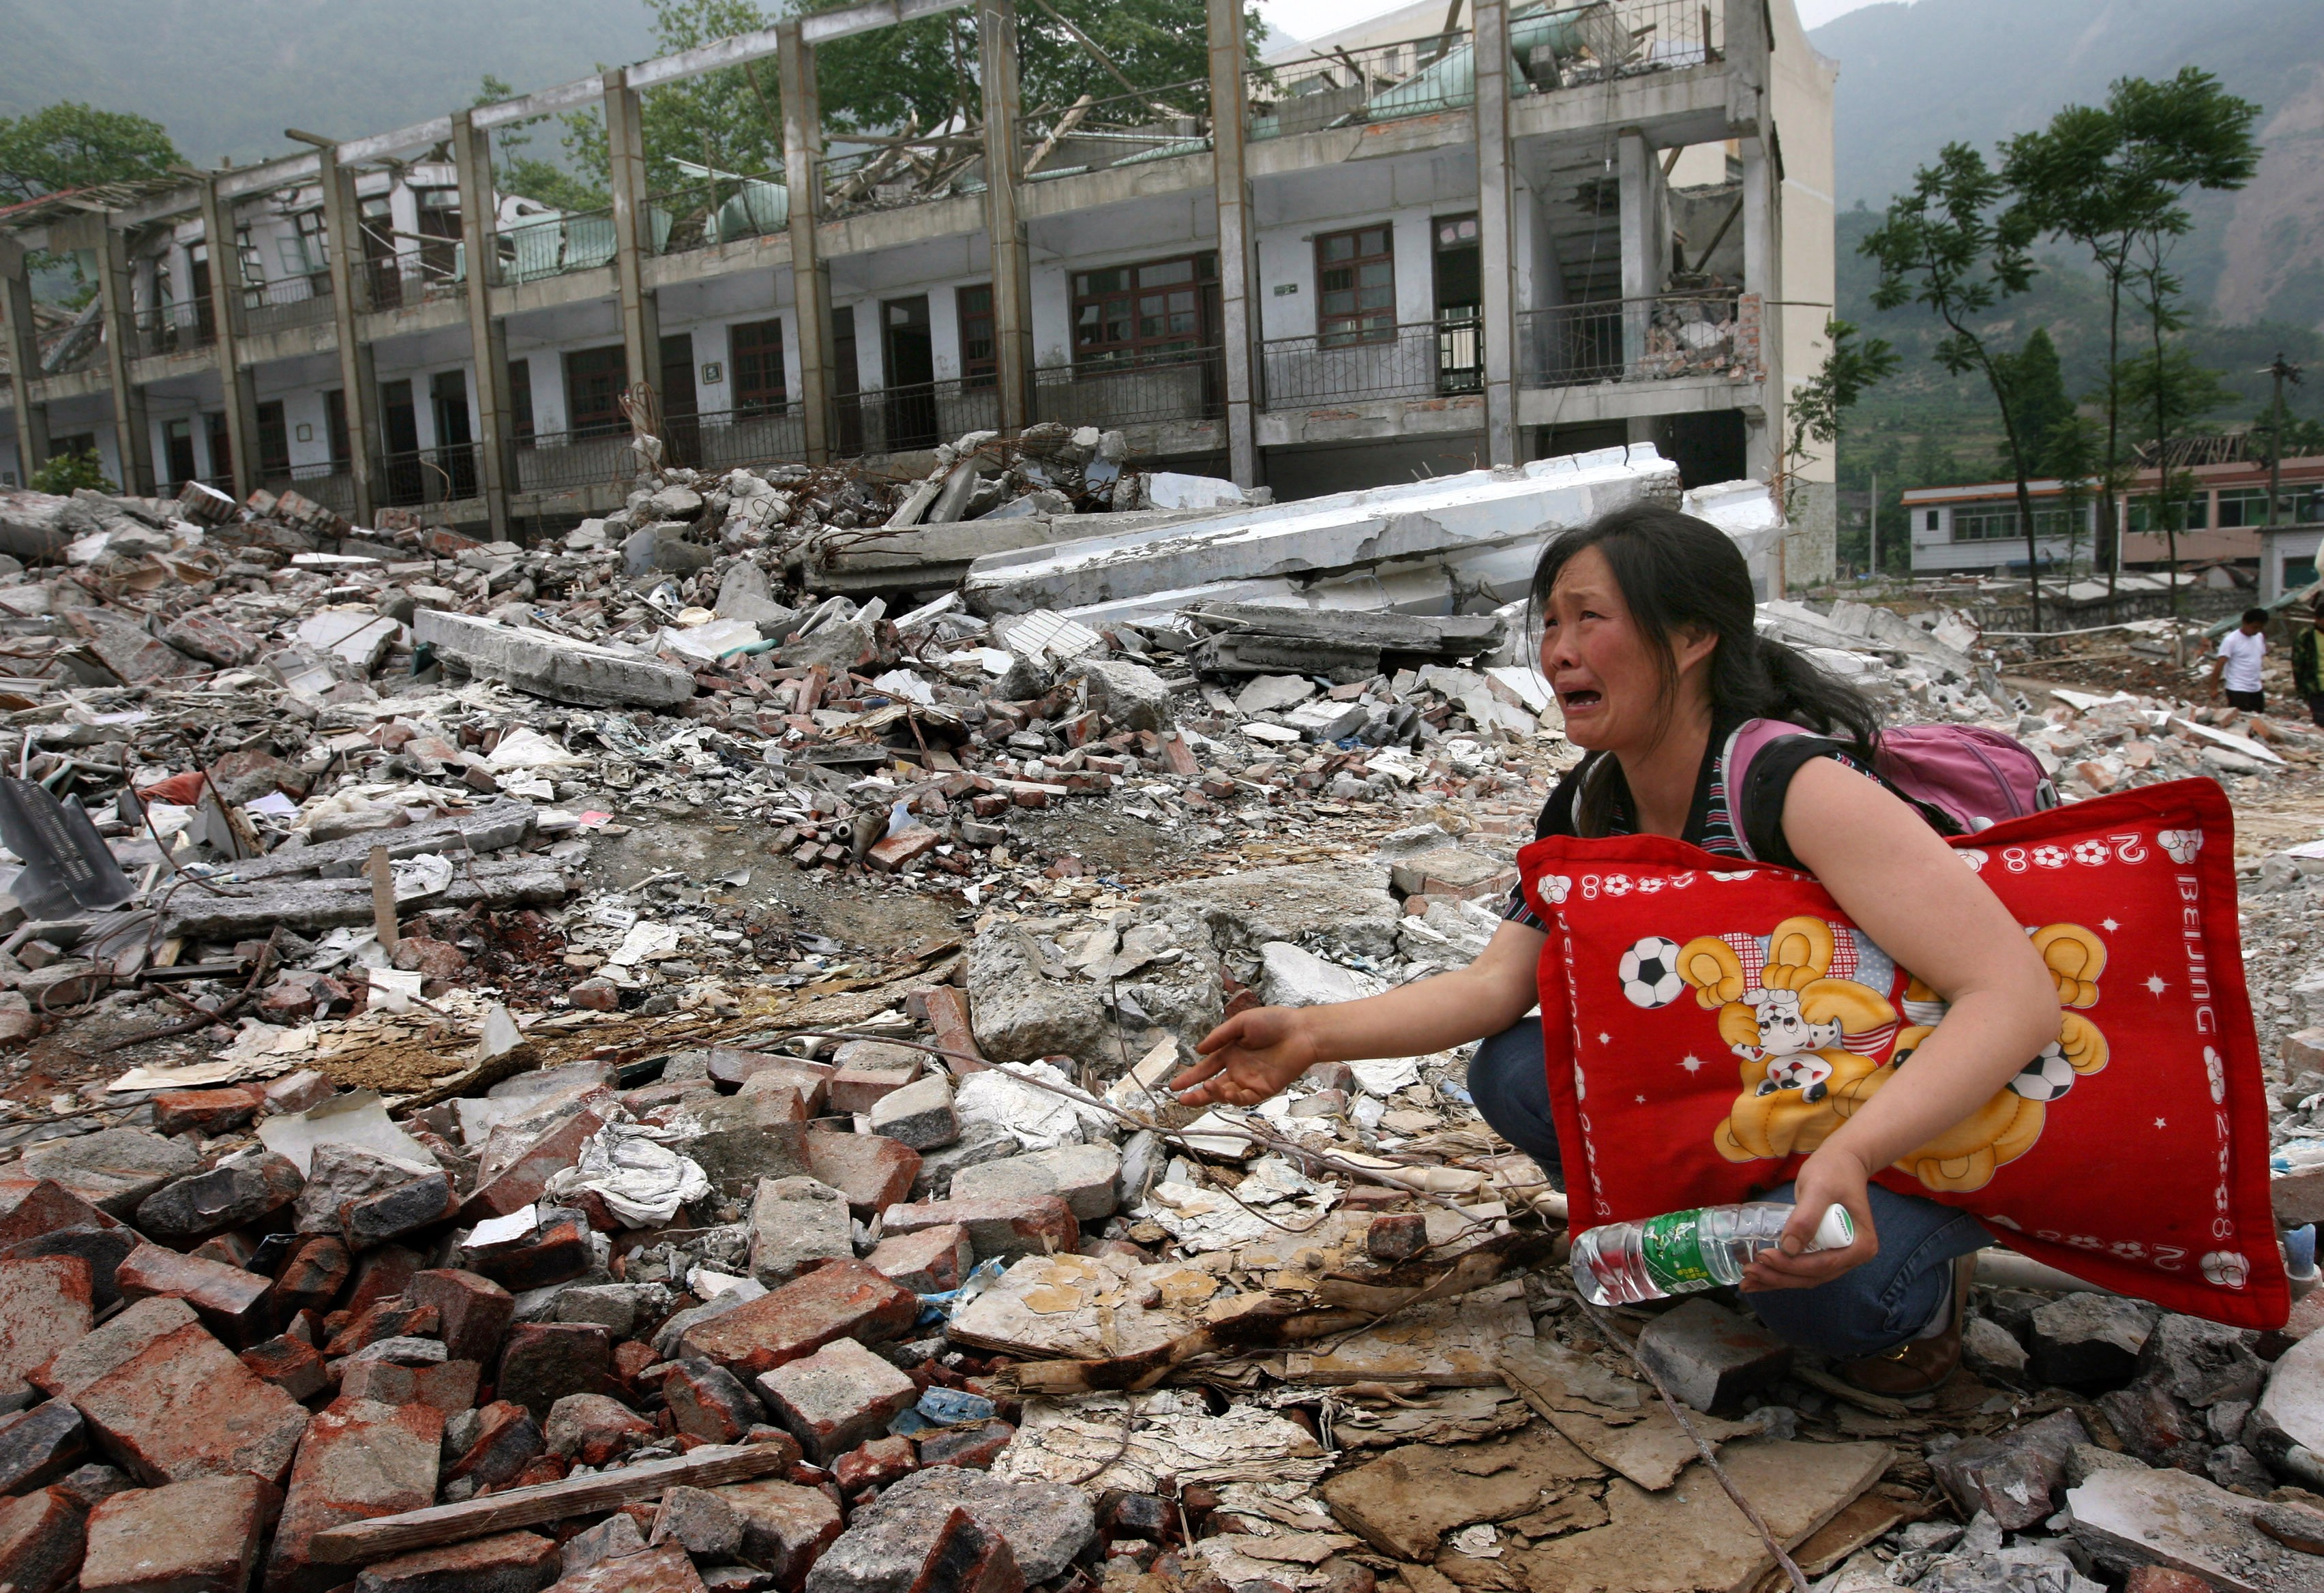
pixel 1122 297
pixel 602 422
pixel 1357 323
pixel 756 345
pixel 977 371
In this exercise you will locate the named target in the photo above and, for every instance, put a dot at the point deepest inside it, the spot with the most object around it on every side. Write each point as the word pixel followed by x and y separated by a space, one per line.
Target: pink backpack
pixel 1972 775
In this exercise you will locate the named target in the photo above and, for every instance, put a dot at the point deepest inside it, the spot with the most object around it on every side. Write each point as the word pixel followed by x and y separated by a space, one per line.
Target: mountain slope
pixel 226 76
pixel 1914 77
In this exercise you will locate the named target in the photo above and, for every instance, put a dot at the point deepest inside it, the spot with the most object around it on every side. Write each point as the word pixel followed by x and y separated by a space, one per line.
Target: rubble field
pixel 628 1063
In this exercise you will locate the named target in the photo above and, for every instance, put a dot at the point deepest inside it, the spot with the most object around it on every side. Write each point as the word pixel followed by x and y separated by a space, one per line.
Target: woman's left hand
pixel 1831 1176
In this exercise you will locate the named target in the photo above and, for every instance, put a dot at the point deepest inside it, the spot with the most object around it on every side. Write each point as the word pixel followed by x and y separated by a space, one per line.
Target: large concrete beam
pixel 342 224
pixel 551 666
pixel 632 235
pixel 1496 229
pixel 234 384
pixel 472 150
pixel 810 283
pixel 1012 267
pixel 1238 317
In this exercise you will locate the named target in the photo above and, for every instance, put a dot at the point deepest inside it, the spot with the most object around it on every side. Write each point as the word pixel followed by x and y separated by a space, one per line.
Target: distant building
pixel 2222 517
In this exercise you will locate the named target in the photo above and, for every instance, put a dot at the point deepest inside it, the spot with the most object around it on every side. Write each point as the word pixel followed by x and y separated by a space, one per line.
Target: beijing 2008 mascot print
pixel 1804 1008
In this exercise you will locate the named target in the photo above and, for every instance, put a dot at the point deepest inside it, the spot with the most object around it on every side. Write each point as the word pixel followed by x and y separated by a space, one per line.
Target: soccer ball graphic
pixel 2047 1077
pixel 1650 971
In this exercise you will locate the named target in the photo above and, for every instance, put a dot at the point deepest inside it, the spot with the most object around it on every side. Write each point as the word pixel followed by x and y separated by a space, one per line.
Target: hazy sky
pixel 1304 18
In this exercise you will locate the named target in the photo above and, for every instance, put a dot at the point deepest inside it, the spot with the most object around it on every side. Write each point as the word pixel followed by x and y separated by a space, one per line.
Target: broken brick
pixel 707 1402
pixel 45 1307
pixel 231 1195
pixel 661 1570
pixel 1034 1225
pixel 41 1537
pixel 450 1386
pixel 593 1428
pixel 973 1444
pixel 200 1537
pixel 184 1407
pixel 231 1302
pixel 31 1207
pixel 208 1112
pixel 932 1545
pixel 874 1463
pixel 871 1170
pixel 296 1368
pixel 836 1398
pixel 844 1300
pixel 505 1562
pixel 929 1261
pixel 472 1312
pixel 542 1362
pixel 507 1440
pixel 359 1460
pixel 868 1070
pixel 786 1527
pixel 524 1180
pixel 311 1276
pixel 40 1445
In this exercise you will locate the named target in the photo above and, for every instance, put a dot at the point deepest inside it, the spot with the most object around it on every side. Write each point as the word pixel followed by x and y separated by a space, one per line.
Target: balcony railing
pixel 445 474
pixel 1188 385
pixel 295 301
pixel 172 328
pixel 1709 334
pixel 1421 359
pixel 562 461
pixel 406 281
pixel 721 440
pixel 920 415
pixel 328 484
pixel 1550 49
pixel 1123 130
pixel 718 209
pixel 556 245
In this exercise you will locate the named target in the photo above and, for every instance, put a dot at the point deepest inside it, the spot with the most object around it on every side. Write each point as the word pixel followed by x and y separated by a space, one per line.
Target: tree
pixel 66 473
pixel 2178 136
pixel 69 145
pixel 2072 451
pixel 515 173
pixel 1951 245
pixel 1819 405
pixel 2175 389
pixel 2039 389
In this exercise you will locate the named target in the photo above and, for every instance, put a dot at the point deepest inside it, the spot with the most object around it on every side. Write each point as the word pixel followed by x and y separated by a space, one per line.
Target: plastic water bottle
pixel 1680 1252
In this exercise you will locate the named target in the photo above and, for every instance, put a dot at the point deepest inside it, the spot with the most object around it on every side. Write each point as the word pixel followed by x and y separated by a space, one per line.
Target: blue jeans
pixel 1874 1307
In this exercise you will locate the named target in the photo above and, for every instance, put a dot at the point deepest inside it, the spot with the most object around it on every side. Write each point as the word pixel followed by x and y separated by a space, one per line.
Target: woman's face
pixel 1597 661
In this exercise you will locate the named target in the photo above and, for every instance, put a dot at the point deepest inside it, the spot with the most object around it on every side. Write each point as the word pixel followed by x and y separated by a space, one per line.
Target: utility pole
pixel 1874 512
pixel 2271 571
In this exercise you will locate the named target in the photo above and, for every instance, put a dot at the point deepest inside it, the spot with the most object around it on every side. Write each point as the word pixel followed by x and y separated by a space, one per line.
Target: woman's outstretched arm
pixel 1257 1053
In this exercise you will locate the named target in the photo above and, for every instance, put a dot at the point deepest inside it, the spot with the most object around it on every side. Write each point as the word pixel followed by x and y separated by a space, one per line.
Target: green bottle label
pixel 1671 1246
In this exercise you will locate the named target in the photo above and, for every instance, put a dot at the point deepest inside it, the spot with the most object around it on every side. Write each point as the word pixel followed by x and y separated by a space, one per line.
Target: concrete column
pixel 235 383
pixel 341 221
pixel 632 233
pixel 810 281
pixel 1239 321
pixel 133 436
pixel 1762 250
pixel 22 344
pixel 1012 268
pixel 1496 229
pixel 1643 252
pixel 472 150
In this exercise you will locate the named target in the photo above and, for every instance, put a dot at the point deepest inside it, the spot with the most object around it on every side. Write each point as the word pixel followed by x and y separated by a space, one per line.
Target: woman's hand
pixel 1250 1058
pixel 1831 1176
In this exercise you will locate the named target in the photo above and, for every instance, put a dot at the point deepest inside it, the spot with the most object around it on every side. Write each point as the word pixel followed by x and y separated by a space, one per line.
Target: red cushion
pixel 2133 1153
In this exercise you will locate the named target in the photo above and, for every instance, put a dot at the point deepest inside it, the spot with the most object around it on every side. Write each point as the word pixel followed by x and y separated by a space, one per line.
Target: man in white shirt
pixel 2237 665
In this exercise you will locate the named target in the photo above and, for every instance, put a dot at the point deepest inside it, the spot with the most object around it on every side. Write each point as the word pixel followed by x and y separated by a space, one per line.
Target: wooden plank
pixel 550 1501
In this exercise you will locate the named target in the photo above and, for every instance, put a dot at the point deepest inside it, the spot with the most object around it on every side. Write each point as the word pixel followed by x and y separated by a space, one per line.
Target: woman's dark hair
pixel 1678 573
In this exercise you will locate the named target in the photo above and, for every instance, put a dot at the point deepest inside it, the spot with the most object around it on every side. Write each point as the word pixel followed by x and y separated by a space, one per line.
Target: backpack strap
pixel 1743 745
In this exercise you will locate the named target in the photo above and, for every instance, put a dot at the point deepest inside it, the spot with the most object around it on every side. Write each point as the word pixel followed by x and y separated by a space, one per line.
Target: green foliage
pixel 1819 405
pixel 2037 391
pixel 69 145
pixel 2301 438
pixel 2176 387
pixel 516 172
pixel 66 473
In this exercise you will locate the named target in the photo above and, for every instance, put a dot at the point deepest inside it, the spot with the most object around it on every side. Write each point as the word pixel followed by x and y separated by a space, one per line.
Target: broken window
pixel 1126 313
pixel 274 441
pixel 221 450
pixel 593 380
pixel 178 449
pixel 335 424
pixel 754 350
pixel 1355 286
pixel 439 226
pixel 980 365
pixel 520 383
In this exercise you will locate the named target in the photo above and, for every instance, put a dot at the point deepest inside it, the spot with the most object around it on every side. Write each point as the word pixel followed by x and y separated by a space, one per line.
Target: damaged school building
pixel 1440 241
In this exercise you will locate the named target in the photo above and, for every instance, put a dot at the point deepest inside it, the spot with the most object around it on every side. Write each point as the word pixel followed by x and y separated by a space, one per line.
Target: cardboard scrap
pixel 1402 1503
pixel 1172 1433
pixel 1444 1343
pixel 1607 1417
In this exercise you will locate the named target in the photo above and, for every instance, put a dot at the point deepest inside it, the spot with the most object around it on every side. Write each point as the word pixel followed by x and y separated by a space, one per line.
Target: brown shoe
pixel 1917 1366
